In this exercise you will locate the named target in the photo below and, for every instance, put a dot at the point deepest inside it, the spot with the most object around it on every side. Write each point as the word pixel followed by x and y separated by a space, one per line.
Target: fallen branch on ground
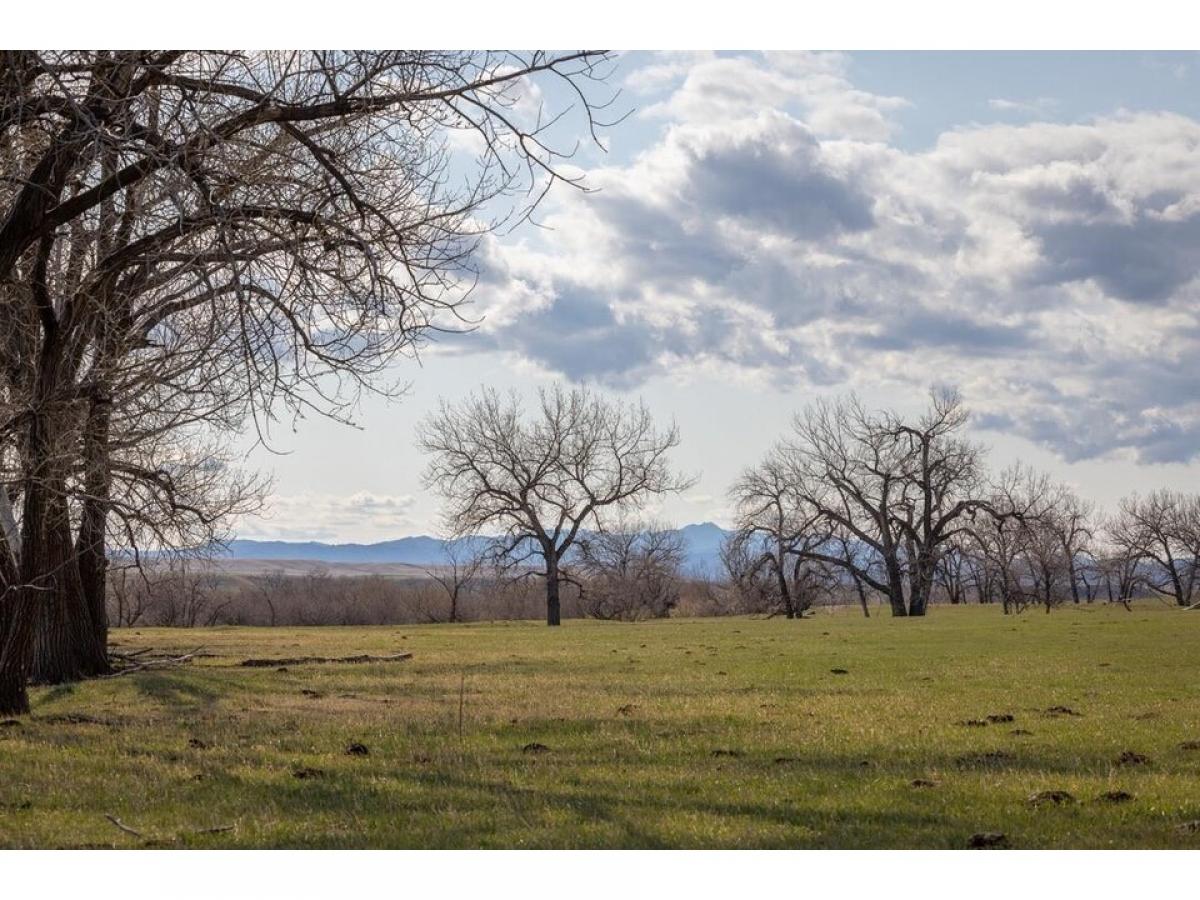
pixel 153 662
pixel 216 829
pixel 305 660
pixel 125 828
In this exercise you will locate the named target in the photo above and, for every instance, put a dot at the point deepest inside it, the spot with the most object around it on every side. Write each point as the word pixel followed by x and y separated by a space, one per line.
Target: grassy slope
pixel 645 778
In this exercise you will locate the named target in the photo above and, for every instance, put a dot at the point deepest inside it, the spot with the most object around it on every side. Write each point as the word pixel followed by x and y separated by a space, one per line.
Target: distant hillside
pixel 702 544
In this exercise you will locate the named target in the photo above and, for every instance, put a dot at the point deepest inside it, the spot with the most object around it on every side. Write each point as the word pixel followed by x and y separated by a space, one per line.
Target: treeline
pixel 905 509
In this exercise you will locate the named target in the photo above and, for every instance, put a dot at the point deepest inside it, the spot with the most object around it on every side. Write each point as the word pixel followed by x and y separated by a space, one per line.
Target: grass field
pixel 682 733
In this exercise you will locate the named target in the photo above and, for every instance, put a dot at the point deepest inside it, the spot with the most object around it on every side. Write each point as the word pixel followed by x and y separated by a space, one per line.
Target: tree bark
pixel 91 551
pixel 553 605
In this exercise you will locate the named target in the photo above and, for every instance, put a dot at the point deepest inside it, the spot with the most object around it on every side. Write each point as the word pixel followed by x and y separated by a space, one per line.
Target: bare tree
pixel 463 563
pixel 1161 530
pixel 784 533
pixel 899 489
pixel 542 476
pixel 282 221
pixel 630 571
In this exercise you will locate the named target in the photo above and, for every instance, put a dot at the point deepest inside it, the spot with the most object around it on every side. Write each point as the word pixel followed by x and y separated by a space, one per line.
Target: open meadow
pixel 831 732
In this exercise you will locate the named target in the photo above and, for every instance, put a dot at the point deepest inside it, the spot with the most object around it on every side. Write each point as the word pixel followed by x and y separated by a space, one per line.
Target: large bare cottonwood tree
pixel 541 476
pixel 232 232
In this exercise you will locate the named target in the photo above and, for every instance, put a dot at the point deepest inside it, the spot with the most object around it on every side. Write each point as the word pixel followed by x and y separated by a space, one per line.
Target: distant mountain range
pixel 702 544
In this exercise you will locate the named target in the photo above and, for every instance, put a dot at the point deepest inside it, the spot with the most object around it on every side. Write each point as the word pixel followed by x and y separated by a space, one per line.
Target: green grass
pixel 711 707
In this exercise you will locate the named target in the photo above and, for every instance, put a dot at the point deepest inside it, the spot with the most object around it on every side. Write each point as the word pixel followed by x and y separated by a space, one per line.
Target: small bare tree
pixel 542 476
pixel 631 571
pixel 464 562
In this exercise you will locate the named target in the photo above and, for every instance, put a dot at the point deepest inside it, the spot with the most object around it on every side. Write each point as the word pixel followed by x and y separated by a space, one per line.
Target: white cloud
pixel 1050 269
pixel 1035 107
pixel 318 517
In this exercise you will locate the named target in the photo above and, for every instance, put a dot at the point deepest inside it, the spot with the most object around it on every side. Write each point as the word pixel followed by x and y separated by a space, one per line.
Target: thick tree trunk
pixel 16 644
pixel 91 551
pixel 553 606
pixel 896 590
pixel 67 645
pixel 789 608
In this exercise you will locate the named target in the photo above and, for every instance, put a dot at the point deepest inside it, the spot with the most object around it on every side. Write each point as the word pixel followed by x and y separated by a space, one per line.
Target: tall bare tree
pixel 286 217
pixel 1162 531
pixel 784 533
pixel 899 489
pixel 541 476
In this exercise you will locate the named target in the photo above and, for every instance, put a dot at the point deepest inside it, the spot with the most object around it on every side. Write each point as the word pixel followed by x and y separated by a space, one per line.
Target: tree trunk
pixel 789 608
pixel 16 644
pixel 91 551
pixel 553 606
pixel 896 590
pixel 67 644
pixel 862 597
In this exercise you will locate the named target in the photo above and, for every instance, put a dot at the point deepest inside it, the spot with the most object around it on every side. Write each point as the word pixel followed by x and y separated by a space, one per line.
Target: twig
pixel 125 828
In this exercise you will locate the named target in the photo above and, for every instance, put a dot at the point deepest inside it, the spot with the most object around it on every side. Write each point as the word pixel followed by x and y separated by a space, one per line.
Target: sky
pixel 764 230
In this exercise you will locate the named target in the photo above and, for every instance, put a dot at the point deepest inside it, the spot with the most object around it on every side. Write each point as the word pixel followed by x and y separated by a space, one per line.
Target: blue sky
pixel 769 229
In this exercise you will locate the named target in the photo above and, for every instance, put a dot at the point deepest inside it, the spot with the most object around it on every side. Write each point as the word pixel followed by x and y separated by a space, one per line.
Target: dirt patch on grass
pixel 987 840
pixel 1051 798
pixel 726 752
pixel 1132 758
pixel 922 783
pixel 1056 711
pixel 1114 797
pixel 308 773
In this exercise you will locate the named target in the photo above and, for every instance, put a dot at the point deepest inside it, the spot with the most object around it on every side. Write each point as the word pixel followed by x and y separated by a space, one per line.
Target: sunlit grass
pixel 685 733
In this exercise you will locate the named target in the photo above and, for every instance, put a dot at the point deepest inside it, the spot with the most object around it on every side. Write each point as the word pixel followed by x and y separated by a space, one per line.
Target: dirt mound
pixel 1130 758
pixel 1061 711
pixel 987 840
pixel 1051 798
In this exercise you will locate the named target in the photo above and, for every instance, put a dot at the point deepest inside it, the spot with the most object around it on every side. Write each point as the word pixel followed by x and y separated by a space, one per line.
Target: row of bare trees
pixel 192 241
pixel 904 508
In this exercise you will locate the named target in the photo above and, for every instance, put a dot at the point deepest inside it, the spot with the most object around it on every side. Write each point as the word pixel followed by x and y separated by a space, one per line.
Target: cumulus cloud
pixel 1049 269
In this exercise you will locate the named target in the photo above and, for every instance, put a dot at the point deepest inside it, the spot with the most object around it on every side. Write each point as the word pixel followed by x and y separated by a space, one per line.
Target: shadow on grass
pixel 179 690
pixel 564 815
